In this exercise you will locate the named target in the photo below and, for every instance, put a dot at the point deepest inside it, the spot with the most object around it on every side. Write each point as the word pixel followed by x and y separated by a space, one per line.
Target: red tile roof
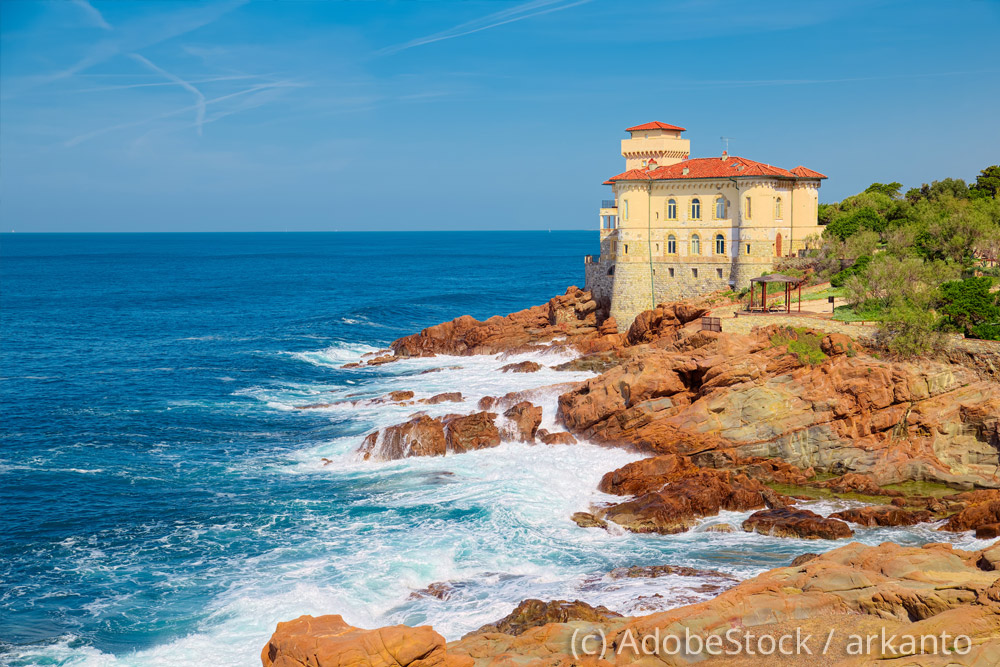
pixel 713 167
pixel 655 125
pixel 805 172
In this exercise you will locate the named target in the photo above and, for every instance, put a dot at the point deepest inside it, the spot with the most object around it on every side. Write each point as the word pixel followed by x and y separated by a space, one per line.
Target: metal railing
pixel 609 203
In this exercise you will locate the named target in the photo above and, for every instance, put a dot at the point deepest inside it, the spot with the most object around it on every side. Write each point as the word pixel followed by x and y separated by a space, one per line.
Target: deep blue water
pixel 163 503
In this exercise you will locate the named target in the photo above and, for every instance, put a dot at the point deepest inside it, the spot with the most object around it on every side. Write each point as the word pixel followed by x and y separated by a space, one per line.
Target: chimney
pixel 685 171
pixel 651 165
pixel 725 155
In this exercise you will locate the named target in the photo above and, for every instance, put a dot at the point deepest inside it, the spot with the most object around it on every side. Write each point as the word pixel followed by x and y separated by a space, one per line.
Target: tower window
pixel 695 245
pixel 696 209
pixel 720 244
pixel 626 248
pixel 624 209
pixel 670 271
pixel 718 273
pixel 671 209
pixel 694 272
pixel 748 248
pixel 777 208
pixel 748 209
pixel 657 248
pixel 671 245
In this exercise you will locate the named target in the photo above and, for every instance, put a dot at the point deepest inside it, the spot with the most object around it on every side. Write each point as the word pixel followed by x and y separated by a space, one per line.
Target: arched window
pixel 695 245
pixel 720 244
pixel 671 209
pixel 777 208
pixel 624 209
pixel 671 245
pixel 720 208
pixel 748 216
pixel 696 209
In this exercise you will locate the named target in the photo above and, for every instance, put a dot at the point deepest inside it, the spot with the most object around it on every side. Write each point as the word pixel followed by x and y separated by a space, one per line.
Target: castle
pixel 679 227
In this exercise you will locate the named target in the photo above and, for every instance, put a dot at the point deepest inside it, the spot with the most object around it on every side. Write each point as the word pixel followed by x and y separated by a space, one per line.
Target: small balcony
pixel 609 203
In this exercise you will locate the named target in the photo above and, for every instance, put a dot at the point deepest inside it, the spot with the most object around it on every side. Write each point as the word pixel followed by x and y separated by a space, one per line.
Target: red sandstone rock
pixel 447 397
pixel 988 531
pixel 885 515
pixel 572 316
pixel 328 641
pixel 838 343
pixel 522 422
pixel 534 613
pixel 421 436
pixel 557 438
pixel 672 494
pixel 470 432
pixel 796 523
pixel 974 516
pixel 522 367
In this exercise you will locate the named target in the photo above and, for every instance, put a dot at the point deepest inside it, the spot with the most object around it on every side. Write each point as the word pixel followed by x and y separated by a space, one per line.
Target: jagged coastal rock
pixel 726 422
pixel 854 590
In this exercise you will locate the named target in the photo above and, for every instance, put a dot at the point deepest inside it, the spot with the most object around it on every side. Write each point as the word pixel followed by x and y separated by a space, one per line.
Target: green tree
pixel 987 183
pixel 968 304
pixel 888 189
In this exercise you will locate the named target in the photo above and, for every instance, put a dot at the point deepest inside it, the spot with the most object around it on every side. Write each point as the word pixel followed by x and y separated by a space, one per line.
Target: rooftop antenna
pixel 725 141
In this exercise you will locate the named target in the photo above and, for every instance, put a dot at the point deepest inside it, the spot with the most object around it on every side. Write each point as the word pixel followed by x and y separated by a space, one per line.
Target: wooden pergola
pixel 789 283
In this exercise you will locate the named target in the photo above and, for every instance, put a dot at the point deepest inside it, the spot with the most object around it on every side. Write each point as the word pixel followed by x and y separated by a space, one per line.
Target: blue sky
pixel 231 115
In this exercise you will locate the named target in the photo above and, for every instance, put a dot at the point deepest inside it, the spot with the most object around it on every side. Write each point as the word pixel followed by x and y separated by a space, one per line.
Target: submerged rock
pixel 447 397
pixel 521 367
pixel 588 520
pixel 653 571
pixel 557 438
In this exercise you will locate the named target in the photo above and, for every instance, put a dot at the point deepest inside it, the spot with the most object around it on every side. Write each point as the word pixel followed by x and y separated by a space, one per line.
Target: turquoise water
pixel 164 504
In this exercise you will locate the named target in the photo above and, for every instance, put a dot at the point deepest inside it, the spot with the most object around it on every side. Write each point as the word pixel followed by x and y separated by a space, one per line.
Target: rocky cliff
pixel 730 422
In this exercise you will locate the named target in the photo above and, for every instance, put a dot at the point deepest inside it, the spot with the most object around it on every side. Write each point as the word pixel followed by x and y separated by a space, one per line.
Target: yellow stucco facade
pixel 678 227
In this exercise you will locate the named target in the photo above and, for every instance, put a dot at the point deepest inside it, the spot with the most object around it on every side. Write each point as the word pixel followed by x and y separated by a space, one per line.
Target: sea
pixel 163 502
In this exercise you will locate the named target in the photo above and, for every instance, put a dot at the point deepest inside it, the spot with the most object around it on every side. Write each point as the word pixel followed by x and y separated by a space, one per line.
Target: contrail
pixel 518 13
pixel 199 97
pixel 95 16
pixel 167 114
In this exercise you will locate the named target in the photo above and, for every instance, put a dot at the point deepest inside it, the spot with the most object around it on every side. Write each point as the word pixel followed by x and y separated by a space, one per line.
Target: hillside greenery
pixel 921 263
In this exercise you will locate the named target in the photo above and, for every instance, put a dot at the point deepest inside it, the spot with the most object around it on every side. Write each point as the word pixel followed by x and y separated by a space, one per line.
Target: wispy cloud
pixel 520 12
pixel 130 38
pixel 198 95
pixel 95 17
pixel 182 110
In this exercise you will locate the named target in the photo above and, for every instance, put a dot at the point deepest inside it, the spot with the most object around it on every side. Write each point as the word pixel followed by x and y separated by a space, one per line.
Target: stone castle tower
pixel 679 227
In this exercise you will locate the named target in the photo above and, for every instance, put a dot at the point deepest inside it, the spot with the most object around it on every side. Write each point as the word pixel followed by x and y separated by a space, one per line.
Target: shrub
pixel 803 343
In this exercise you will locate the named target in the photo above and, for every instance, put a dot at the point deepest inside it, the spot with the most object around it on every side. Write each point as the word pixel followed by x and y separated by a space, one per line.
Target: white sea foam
pixel 494 524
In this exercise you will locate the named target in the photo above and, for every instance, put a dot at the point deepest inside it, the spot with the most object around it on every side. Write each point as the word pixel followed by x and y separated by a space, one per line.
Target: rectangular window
pixel 694 272
pixel 748 208
pixel 718 273
pixel 748 248
pixel 671 271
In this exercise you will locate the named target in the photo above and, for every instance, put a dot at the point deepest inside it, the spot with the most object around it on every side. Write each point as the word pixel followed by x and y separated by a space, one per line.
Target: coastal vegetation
pixel 921 264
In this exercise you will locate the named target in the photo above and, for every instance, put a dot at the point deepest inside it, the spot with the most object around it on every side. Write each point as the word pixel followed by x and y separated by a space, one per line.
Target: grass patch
pixel 823 294
pixel 912 488
pixel 849 314
pixel 801 343
pixel 825 494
